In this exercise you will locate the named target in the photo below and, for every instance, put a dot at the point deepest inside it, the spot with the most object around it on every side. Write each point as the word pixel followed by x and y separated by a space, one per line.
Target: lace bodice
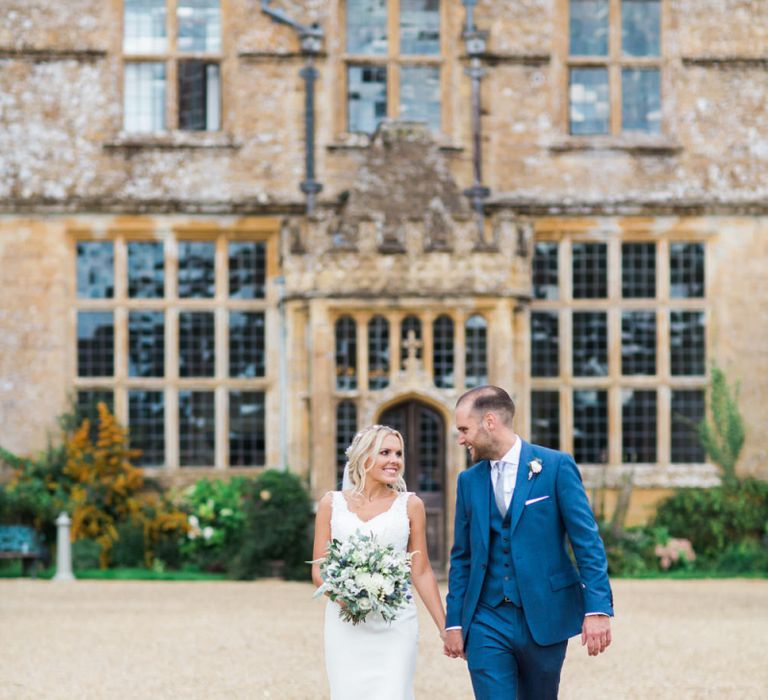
pixel 390 527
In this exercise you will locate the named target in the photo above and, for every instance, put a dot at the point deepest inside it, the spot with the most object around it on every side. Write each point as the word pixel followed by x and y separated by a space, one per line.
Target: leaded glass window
pixel 420 95
pixel 638 270
pixel 146 420
pixel 476 354
pixel 590 343
pixel 155 49
pixel 640 23
pixel 393 63
pixel 95 270
pixel 346 427
pixel 688 411
pixel 146 270
pixel 545 271
pixel 122 314
pixel 420 27
pixel 144 29
pixel 687 343
pixel 146 344
pixel 442 352
pixel 590 426
pixel 367 27
pixel 378 353
pixel 686 270
pixel 247 432
pixel 197 433
pixel 545 344
pixel 588 28
pixel 144 97
pixel 366 97
pixel 638 342
pixel 614 67
pixel 197 273
pixel 346 353
pixel 545 418
pixel 95 344
pixel 247 346
pixel 638 426
pixel 197 356
pixel 199 25
pixel 247 269
pixel 590 101
pixel 590 270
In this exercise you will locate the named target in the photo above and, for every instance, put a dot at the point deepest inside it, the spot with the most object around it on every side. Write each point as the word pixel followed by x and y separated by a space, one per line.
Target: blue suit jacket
pixel 554 593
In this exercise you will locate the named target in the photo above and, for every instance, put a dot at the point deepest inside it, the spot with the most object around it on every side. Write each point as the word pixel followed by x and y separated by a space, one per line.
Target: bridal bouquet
pixel 365 577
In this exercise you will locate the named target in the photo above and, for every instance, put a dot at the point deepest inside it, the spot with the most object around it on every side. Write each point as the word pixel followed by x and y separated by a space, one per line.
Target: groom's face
pixel 473 434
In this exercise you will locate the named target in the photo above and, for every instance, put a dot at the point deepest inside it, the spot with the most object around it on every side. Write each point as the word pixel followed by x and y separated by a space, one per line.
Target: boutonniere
pixel 534 467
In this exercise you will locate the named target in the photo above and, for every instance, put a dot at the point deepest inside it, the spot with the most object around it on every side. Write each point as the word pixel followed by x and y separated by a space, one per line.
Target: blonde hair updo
pixel 363 450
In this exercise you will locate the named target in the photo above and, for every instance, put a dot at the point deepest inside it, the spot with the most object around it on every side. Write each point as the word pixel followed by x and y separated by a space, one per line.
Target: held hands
pixel 454 644
pixel 596 633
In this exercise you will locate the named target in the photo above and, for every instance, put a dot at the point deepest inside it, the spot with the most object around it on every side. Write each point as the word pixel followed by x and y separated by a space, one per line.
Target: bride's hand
pixel 442 635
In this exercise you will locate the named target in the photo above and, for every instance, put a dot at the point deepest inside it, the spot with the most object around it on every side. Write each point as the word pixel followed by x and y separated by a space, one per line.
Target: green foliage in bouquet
pixel 276 537
pixel 215 521
pixel 366 577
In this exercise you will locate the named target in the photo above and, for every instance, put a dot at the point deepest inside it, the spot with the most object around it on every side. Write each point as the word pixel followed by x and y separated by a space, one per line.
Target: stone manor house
pixel 255 226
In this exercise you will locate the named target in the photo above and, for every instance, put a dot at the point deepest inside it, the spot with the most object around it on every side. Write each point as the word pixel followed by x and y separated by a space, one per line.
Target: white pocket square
pixel 536 500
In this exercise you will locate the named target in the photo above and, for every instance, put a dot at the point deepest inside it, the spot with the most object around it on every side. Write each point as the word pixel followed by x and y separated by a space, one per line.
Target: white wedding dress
pixel 373 660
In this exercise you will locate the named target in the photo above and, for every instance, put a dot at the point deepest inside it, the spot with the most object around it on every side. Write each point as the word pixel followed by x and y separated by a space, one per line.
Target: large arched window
pixel 476 357
pixel 346 427
pixel 346 353
pixel 378 353
pixel 442 352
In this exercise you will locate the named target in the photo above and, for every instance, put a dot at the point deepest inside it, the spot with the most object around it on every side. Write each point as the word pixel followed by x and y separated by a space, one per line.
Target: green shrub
pixel 215 519
pixel 631 551
pixel 128 549
pixel 714 519
pixel 86 554
pixel 745 557
pixel 277 534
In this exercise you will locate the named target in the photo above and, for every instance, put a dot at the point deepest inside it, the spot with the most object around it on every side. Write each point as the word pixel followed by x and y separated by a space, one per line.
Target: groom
pixel 514 595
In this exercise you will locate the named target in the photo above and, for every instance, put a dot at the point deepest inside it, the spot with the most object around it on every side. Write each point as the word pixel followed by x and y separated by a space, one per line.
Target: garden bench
pixel 22 542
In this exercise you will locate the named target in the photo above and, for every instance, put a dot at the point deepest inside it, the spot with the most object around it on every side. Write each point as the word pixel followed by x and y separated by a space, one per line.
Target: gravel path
pixel 676 640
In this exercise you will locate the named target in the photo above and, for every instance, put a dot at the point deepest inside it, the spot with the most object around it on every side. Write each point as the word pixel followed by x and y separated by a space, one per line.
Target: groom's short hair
pixel 490 398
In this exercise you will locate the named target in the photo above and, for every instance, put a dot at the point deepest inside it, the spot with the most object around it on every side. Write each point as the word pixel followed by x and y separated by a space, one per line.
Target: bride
pixel 376 660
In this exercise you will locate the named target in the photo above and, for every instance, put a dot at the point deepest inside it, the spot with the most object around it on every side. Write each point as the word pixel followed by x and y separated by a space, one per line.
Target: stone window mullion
pixel 395 321
pixel 428 338
pixel 459 349
pixel 361 333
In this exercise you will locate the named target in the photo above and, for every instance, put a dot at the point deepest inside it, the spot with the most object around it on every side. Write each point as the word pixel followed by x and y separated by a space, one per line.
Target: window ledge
pixel 172 140
pixel 651 145
pixel 353 141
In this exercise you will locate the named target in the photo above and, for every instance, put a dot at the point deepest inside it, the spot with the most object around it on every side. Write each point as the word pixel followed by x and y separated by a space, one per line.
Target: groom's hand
pixel 454 644
pixel 596 633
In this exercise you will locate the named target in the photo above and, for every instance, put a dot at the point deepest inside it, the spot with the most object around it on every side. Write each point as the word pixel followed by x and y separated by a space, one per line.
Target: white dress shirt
pixel 512 460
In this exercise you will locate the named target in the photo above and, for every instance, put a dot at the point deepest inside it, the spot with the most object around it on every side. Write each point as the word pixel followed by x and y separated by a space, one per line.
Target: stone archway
pixel 423 430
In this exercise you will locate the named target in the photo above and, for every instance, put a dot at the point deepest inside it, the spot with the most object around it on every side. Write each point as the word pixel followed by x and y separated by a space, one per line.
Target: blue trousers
pixel 504 661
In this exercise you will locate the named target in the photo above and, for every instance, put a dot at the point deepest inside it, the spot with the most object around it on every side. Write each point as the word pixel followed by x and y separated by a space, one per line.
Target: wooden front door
pixel 423 431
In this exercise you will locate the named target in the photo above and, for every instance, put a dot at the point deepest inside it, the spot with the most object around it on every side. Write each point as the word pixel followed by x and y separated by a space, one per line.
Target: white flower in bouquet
pixel 365 577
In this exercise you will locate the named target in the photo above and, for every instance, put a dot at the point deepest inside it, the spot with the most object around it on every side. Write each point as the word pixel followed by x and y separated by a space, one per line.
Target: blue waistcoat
pixel 500 579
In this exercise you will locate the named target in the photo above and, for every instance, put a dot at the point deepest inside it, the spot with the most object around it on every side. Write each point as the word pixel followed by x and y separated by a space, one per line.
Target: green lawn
pixel 13 570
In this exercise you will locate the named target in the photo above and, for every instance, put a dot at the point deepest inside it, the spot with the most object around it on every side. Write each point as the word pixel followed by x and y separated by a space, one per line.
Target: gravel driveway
pixel 679 640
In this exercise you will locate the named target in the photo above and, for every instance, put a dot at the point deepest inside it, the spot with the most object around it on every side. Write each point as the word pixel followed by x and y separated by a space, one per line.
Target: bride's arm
pixel 423 577
pixel 322 535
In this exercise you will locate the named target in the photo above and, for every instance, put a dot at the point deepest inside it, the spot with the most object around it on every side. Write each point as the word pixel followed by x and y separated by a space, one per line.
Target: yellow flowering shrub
pixel 105 483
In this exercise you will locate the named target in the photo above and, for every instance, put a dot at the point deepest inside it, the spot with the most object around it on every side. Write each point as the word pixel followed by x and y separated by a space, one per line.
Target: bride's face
pixel 387 465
